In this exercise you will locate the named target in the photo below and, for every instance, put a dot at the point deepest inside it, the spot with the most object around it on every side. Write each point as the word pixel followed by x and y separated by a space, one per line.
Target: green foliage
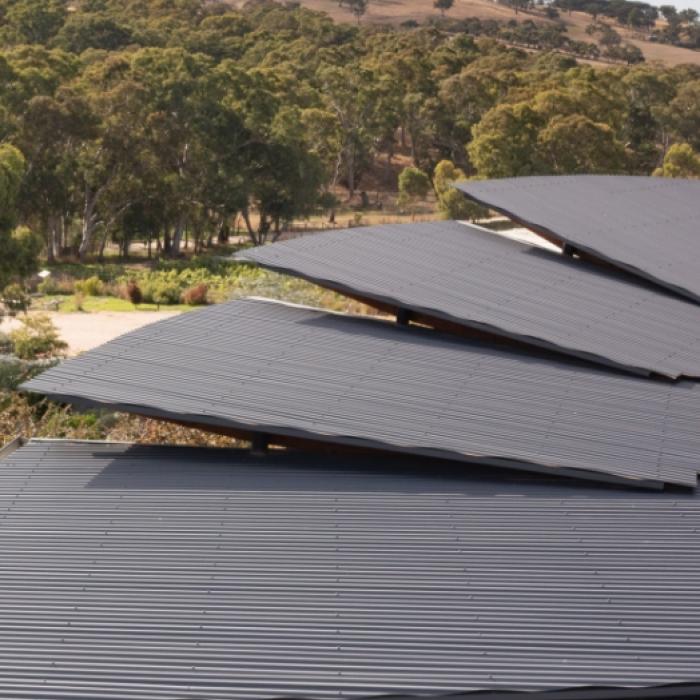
pixel 413 182
pixel 33 21
pixel 90 287
pixel 14 372
pixel 57 284
pixel 358 8
pixel 169 286
pixel 451 202
pixel 443 5
pixel 15 298
pixel 505 142
pixel 125 121
pixel 161 290
pixel 680 161
pixel 25 246
pixel 681 28
pixel 414 186
pixel 628 12
pixel 682 114
pixel 577 144
pixel 27 415
pixel 19 248
pixel 93 30
pixel 37 337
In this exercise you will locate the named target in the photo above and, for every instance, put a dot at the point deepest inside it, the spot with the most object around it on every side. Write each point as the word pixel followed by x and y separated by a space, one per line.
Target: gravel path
pixel 84 331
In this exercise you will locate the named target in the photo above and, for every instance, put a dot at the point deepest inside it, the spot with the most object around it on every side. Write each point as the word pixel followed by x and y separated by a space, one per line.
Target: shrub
pixel 451 202
pixel 168 284
pixel 37 337
pixel 57 285
pixel 160 289
pixel 15 298
pixel 165 293
pixel 14 372
pixel 195 296
pixel 133 293
pixel 47 286
pixel 90 287
pixel 414 185
pixel 79 301
pixel 11 374
pixel 147 286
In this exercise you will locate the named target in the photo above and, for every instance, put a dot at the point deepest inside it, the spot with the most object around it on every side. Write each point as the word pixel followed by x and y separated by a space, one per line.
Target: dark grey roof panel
pixel 283 370
pixel 649 226
pixel 465 275
pixel 157 573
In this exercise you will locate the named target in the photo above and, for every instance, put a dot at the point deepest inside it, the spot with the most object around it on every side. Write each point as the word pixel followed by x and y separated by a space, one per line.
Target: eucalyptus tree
pixel 31 21
pixel 350 94
pixel 19 251
pixel 680 161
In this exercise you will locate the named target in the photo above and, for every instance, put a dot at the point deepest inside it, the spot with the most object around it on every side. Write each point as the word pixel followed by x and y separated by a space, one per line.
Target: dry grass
pixel 21 416
pixel 397 11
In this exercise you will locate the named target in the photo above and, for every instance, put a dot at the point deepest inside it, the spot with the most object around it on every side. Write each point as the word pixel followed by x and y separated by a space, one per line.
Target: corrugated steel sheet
pixel 283 370
pixel 162 573
pixel 648 226
pixel 465 275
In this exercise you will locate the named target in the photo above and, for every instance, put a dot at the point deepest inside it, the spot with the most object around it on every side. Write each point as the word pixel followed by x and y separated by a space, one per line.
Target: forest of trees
pixel 124 120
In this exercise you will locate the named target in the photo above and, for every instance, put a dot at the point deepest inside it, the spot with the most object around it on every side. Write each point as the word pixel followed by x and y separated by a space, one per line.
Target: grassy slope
pixel 397 11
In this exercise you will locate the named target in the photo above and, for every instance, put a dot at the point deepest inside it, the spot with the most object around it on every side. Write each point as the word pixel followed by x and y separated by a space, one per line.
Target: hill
pixel 398 11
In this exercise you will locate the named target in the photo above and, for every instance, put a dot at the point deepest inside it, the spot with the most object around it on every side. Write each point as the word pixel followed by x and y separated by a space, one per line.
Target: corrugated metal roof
pixel 154 573
pixel 278 369
pixel 646 225
pixel 465 275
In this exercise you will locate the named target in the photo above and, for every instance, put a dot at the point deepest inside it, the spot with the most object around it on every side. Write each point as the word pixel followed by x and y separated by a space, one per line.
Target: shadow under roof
pixel 649 226
pixel 156 573
pixel 281 370
pixel 482 281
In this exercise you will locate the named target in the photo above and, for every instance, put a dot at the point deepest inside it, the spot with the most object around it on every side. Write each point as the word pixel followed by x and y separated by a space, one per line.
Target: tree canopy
pixel 14 259
pixel 680 161
pixel 122 119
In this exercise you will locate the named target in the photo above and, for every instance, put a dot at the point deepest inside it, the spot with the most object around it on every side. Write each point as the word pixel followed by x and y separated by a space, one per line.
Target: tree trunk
pixel 350 165
pixel 277 230
pixel 63 233
pixel 251 231
pixel 177 237
pixel 90 222
pixel 53 235
pixel 224 232
pixel 103 245
pixel 263 228
pixel 412 136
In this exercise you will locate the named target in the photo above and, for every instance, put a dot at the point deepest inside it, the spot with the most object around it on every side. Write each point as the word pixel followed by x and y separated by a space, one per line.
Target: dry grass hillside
pixel 397 11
